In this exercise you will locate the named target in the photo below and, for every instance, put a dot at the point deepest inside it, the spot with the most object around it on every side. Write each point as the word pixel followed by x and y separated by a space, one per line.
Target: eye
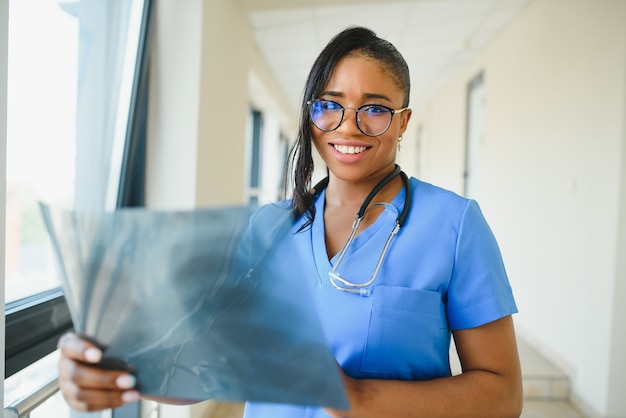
pixel 330 105
pixel 375 110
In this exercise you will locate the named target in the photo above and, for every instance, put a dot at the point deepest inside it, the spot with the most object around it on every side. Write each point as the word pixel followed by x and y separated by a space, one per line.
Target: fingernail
pixel 125 381
pixel 130 396
pixel 93 355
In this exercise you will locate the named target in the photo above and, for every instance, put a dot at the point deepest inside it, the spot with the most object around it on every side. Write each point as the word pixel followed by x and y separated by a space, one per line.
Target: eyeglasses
pixel 372 120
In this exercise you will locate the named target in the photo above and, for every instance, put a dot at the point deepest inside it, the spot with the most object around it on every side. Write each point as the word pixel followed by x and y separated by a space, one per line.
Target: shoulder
pixel 445 210
pixel 422 189
pixel 267 225
pixel 271 218
pixel 271 212
pixel 431 200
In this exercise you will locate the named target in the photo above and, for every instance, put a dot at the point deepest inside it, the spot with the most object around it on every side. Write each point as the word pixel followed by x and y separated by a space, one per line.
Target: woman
pixel 389 301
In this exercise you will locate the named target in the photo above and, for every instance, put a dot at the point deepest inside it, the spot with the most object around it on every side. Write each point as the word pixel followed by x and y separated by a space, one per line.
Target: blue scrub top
pixel 443 272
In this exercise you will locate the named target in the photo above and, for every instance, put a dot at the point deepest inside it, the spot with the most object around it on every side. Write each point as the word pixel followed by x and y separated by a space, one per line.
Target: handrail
pixel 20 408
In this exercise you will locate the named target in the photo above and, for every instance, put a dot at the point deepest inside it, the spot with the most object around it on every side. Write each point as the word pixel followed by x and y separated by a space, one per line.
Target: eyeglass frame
pixel 391 110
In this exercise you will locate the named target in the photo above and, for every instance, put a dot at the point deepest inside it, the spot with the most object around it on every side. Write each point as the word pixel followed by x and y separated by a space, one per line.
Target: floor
pixel 549 409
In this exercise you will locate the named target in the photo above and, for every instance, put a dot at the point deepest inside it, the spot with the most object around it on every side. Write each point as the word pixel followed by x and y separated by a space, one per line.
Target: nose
pixel 355 123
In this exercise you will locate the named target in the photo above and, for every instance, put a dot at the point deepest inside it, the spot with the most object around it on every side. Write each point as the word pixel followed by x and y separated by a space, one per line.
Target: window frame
pixel 33 327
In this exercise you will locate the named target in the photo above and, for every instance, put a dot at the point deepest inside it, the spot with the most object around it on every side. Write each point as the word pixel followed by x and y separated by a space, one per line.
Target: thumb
pixel 79 349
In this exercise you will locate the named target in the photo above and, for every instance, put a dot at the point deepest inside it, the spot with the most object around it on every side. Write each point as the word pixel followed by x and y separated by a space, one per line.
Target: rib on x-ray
pixel 189 302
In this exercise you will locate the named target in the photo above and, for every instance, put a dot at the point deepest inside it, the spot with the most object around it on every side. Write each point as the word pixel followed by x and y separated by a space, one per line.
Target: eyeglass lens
pixel 372 120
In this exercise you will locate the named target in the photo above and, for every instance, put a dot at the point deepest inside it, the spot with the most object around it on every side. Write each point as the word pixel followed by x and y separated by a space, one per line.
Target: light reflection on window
pixel 70 73
pixel 41 136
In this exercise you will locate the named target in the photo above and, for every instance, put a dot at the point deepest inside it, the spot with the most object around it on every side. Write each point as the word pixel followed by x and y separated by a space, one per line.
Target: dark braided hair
pixel 353 41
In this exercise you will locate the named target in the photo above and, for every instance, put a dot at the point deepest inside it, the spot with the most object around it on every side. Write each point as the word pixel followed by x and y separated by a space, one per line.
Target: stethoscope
pixel 335 278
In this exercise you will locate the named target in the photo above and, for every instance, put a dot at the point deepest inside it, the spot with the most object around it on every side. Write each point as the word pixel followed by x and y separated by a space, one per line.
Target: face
pixel 349 154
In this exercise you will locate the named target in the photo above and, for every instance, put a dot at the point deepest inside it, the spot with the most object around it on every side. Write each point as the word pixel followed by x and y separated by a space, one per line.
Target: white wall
pixel 617 378
pixel 224 103
pixel 198 105
pixel 4 28
pixel 553 180
pixel 173 109
pixel 197 124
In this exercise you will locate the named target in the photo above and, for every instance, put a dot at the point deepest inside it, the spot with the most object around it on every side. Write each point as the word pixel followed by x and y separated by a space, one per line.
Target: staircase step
pixel 542 379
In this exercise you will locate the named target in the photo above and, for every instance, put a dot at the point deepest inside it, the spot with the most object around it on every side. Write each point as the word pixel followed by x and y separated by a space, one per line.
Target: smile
pixel 347 149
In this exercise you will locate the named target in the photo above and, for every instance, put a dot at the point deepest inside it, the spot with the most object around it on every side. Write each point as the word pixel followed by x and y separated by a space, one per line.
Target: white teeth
pixel 345 149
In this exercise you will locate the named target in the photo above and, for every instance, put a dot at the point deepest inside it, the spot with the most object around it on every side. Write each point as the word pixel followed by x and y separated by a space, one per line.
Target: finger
pixel 74 347
pixel 86 376
pixel 82 399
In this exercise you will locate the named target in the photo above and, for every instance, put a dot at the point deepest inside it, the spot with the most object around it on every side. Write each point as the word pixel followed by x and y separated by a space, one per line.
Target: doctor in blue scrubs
pixel 403 265
pixel 418 265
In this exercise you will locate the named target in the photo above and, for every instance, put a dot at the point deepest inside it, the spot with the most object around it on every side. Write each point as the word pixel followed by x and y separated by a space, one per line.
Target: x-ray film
pixel 190 303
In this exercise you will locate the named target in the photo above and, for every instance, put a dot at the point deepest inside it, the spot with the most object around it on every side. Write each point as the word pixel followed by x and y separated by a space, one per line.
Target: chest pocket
pixel 408 337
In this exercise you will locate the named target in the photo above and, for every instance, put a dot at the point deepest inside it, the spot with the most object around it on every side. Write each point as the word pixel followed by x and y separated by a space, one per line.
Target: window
pixel 77 81
pixel 254 189
pixel 41 136
pixel 475 135
pixel 284 153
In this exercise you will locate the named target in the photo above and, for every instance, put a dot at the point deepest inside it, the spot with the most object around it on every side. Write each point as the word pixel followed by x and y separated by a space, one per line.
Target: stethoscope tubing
pixel 335 279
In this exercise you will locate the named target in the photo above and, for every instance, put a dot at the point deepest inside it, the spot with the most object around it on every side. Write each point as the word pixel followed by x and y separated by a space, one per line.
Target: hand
pixel 87 387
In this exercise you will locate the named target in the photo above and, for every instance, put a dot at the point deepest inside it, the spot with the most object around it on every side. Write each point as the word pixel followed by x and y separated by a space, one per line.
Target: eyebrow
pixel 365 96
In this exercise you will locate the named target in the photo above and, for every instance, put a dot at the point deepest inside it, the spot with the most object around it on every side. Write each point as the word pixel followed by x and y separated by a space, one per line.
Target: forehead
pixel 361 76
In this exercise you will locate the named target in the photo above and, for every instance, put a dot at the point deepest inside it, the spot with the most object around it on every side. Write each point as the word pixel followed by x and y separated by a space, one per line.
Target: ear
pixel 406 116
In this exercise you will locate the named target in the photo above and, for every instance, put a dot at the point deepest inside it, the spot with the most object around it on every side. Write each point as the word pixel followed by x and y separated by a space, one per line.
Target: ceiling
pixel 436 37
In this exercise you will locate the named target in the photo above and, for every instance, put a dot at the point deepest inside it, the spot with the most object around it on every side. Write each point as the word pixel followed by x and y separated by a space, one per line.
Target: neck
pixel 345 193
